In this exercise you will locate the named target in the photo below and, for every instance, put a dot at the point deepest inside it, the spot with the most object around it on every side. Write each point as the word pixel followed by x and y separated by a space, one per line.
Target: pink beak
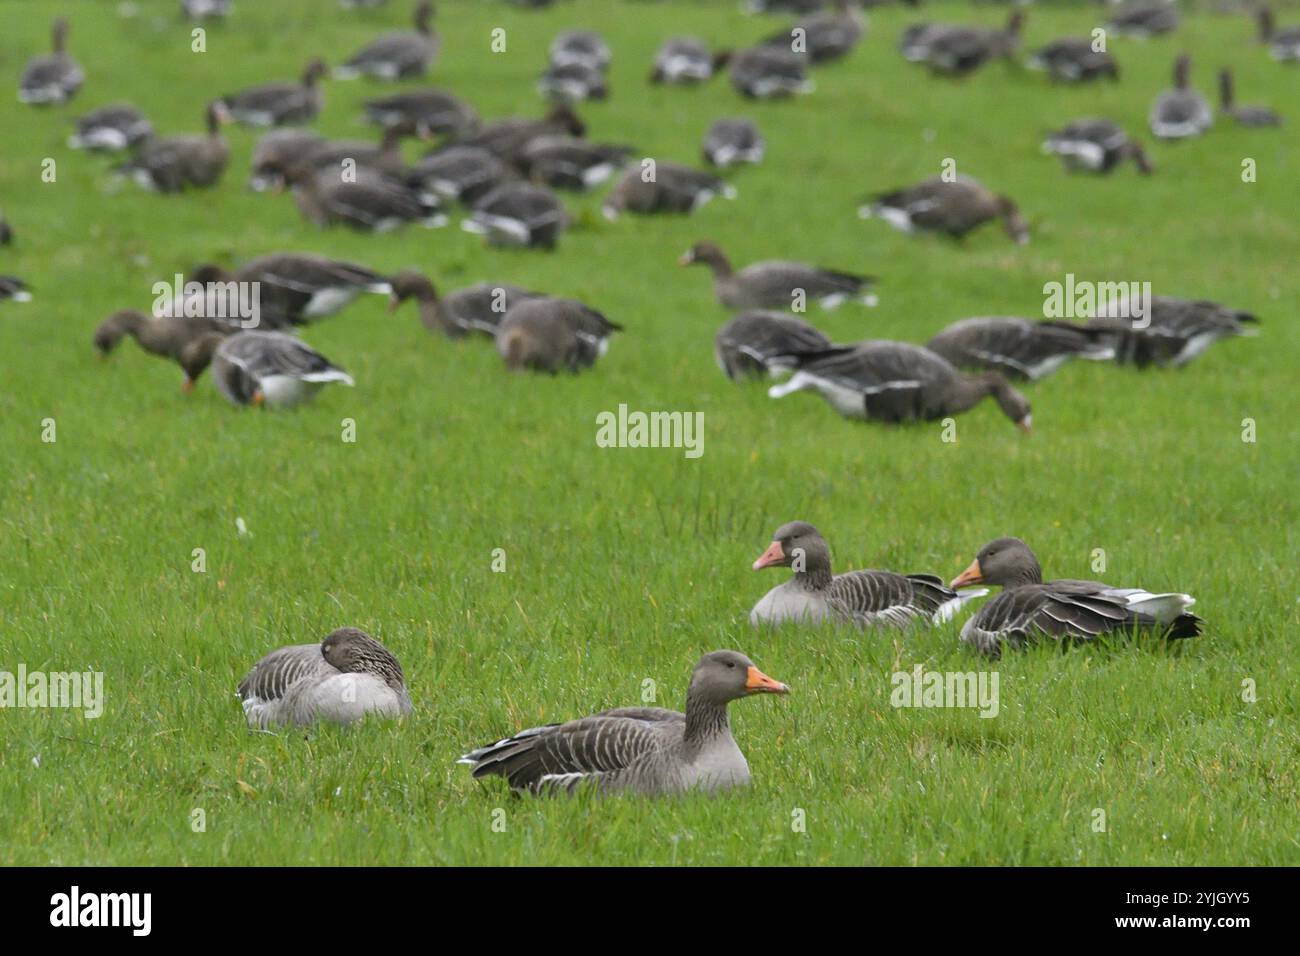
pixel 773 555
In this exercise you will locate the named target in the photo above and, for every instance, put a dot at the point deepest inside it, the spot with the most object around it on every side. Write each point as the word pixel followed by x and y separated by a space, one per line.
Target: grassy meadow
pixel 624 565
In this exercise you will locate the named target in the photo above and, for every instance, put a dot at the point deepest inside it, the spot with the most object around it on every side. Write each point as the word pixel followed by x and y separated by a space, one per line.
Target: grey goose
pixel 1242 115
pixel 508 138
pixel 1284 44
pixel 951 207
pixel 552 335
pixel 1029 608
pixel 111 128
pixel 347 677
pixel 296 288
pixel 270 369
pixel 1096 146
pixel 647 751
pixel 686 60
pixel 474 310
pixel 823 36
pixel 1018 348
pixel 520 215
pixel 279 104
pixel 758 342
pixel 1181 112
pixel 865 599
pixel 777 284
pixel 731 141
pixel 765 73
pixel 164 335
pixel 277 151
pixel 572 83
pixel 566 162
pixel 899 382
pixel 429 110
pixel 370 203
pixel 339 156
pixel 1074 60
pixel 1175 332
pixel 460 173
pixel 668 188
pixel 916 39
pixel 205 9
pixel 172 164
pixel 784 6
pixel 14 289
pixel 1144 18
pixel 53 78
pixel 396 56
pixel 581 47
pixel 957 51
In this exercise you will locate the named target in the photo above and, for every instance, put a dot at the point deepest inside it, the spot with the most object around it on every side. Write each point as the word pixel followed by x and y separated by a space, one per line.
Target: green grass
pixel 624 565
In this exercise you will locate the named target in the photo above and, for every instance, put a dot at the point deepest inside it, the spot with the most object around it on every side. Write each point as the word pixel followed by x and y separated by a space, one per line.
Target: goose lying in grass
pixel 552 335
pixel 731 141
pixel 1283 45
pixel 520 215
pixel 396 56
pixel 814 595
pixel 430 111
pixel 345 678
pixel 767 73
pixel 1181 112
pixel 572 83
pixel 566 162
pixel 295 288
pixel 1096 146
pixel 1177 330
pixel 163 335
pixel 957 51
pixel 173 164
pixel 777 284
pixel 111 128
pixel 1243 115
pixel 14 289
pixel 1029 608
pixel 53 78
pixel 757 343
pixel 371 203
pixel 1018 348
pixel 823 36
pixel 953 208
pixel 686 61
pixel 279 104
pixel 672 188
pixel 580 47
pixel 261 368
pixel 476 309
pixel 1074 60
pixel 459 173
pixel 1144 18
pixel 642 750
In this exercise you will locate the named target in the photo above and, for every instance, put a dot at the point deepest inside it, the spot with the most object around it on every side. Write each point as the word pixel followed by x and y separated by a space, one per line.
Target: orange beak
pixel 259 398
pixel 756 682
pixel 393 303
pixel 972 575
pixel 187 386
pixel 1025 426
pixel 773 555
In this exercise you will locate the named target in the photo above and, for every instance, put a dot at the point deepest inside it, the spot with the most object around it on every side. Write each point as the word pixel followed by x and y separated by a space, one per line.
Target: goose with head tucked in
pixel 476 309
pixel 777 284
pixel 518 214
pixel 508 138
pixel 581 47
pixel 572 83
pixel 1018 348
pixel 14 289
pixel 1096 146
pixel 396 56
pixel 823 36
pixel 686 61
pixel 296 288
pixel 553 335
pixel 1029 608
pixel 1284 44
pixel 767 73
pixel 111 128
pixel 370 203
pixel 345 678
pixel 646 751
pixel 953 208
pixel 1144 18
pixel 1243 115
pixel 674 188
pixel 1181 112
pixel 731 141
pixel 864 599
pixel 206 9
pixel 270 369
pixel 1074 60
pixel 279 104
pixel 275 152
pixel 172 164
pixel 758 342
pixel 956 51
pixel 1175 331
pixel 430 111
pixel 566 162
pixel 53 78
pixel 460 173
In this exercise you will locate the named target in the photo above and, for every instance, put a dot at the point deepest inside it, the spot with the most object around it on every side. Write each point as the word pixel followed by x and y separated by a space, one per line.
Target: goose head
pixel 797 545
pixel 196 356
pixel 424 16
pixel 1005 562
pixel 565 118
pixel 109 332
pixel 1012 220
pixel 316 70
pixel 724 676
pixel 409 284
pixel 1012 402
pixel 708 253
pixel 353 651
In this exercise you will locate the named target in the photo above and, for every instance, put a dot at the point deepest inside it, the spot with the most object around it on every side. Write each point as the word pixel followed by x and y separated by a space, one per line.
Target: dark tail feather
pixel 1185 625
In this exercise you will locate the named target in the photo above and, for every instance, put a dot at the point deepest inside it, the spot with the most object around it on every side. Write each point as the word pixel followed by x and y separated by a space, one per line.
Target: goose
pixel 343 679
pixel 957 51
pixel 362 4
pixel 371 203
pixel 1177 330
pixel 275 152
pixel 205 9
pixel 825 36
pixel 518 214
pixel 6 232
pixel 296 288
pixel 565 162
pixel 862 598
pixel 764 73
pixel 1095 146
pixel 111 128
pixel 899 382
pixel 396 56
pixel 674 188
pixel 14 289
pixel 1244 115
pixel 337 156
pixel 758 342
pixel 1284 44
pixel 1144 18
pixel 172 164
pixel 1028 608
pixel 476 309
pixel 951 207
pixel 1018 348
pixel 430 111
pixel 686 61
pixel 581 47
pixel 1181 112
pixel 776 284
pixel 646 751
pixel 784 6
pixel 507 138
pixel 272 369
pixel 917 38
pixel 279 104
pixel 459 173
pixel 53 78
pixel 731 141
pixel 572 83
pixel 1073 60
pixel 163 335
pixel 550 335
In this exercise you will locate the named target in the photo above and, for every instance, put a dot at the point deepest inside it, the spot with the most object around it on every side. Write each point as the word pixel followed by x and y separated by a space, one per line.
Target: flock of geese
pixel 506 177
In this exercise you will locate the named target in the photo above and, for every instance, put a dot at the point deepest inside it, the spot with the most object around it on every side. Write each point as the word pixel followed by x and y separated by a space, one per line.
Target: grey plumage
pixel 778 284
pixel 111 128
pixel 567 162
pixel 573 83
pixel 1144 18
pixel 1095 145
pixel 460 173
pixel 730 141
pixel 757 342
pixel 1018 348
pixel 430 110
pixel 372 202
pixel 553 335
pixel 174 163
pixel 476 309
pixel 823 36
pixel 1181 112
pixel 765 72
pixel 53 78
pixel 296 288
pixel 581 47
pixel 1073 60
pixel 952 207
pixel 256 368
pixel 399 55
pixel 685 60
pixel 518 214
pixel 673 188
pixel 1174 333
pixel 278 104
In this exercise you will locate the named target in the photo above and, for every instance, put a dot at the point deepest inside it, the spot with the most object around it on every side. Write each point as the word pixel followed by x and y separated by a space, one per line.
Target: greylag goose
pixel 475 309
pixel 862 598
pixel 14 289
pixel 1178 330
pixel 647 751
pixel 430 111
pixel 757 342
pixel 1018 348
pixel 1028 608
pixel 336 156
pixel 373 203
pixel 552 335
pixel 111 128
pixel 572 83
pixel 776 284
pixel 508 138
pixel 765 73
pixel 1095 146
pixel 343 679
pixel 1284 44
pixel 957 51
pixel 899 382
pixel 396 56
pixel 565 162
pixel 172 164
pixel 261 368
pixel 296 288
pixel 686 60
pixel 917 38
pixel 205 9
pixel 825 36
pixel 460 173
pixel 784 6
pixel 163 335
pixel 1144 18
pixel 279 104
pixel 1074 60
pixel 953 208
pixel 54 77
pixel 518 214
pixel 673 188
pixel 731 141
pixel 1181 112
pixel 581 47
pixel 276 152
pixel 1243 115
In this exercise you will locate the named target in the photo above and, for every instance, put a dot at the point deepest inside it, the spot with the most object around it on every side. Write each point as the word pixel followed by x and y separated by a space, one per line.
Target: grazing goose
pixel 581 47
pixel 565 162
pixel 172 164
pixel 647 751
pixel 1028 608
pixel 1144 18
pixel 686 60
pixel 337 156
pixel 915 41
pixel 953 208
pixel 784 6
pixel 1284 44
pixel 163 335
pixel 1095 146
pixel 275 152
pixel 14 289
pixel 373 203
pixel 1073 60
pixel 396 56
pixel 825 36
pixel 343 679
pixel 775 284
pixel 551 335
pixel 1178 330
pixel 519 215
pixel 459 173
pixel 732 141
pixel 205 9
pixel 757 343
pixel 273 369
pixel 861 598
pixel 475 309
pixel 674 188
pixel 296 288
pixel 764 73
pixel 572 83
pixel 956 51
pixel 1018 348
pixel 1244 115
pixel 508 138
pixel 899 382
pixel 430 111
pixel 279 104
pixel 53 78
pixel 1181 112
pixel 111 129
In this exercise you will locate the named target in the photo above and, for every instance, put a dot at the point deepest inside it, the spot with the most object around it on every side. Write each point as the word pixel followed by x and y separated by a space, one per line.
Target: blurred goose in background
pixel 275 152
pixel 572 83
pixel 205 9
pixel 334 157
pixel 777 284
pixel 1029 608
pixel 428 111
pixel 960 50
pixel 823 36
pixel 1177 330
pixel 1074 60
pixel 1283 45
pixel 396 56
pixel 1018 348
pixel 899 382
pixel 580 47
pixel 565 162
pixel 111 129
pixel 765 73
pixel 14 289
pixel 171 164
pixel 784 6
pixel 53 78
pixel 731 141
pixel 476 309
pixel 296 288
pixel 163 335
pixel 765 343
pixel 1243 115
pixel 518 214
pixel 279 104
pixel 507 138
pixel 552 335
pixel 6 231
pixel 917 38
pixel 814 595
pixel 1095 146
pixel 686 60
pixel 460 173
pixel 362 4
pixel 371 203
pixel 261 368
pixel 1181 112
pixel 343 679
pixel 674 189
pixel 1144 18
pixel 953 208
pixel 647 751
